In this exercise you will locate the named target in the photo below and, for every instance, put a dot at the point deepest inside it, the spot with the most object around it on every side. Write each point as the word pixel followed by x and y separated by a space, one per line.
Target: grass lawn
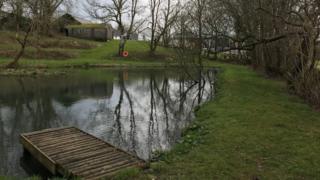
pixel 105 54
pixel 70 52
pixel 57 47
pixel 253 130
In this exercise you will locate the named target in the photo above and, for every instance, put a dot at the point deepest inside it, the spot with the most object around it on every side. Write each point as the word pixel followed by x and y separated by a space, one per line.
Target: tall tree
pixel 197 15
pixel 116 11
pixel 281 39
pixel 17 10
pixel 163 14
pixel 22 35
pixel 217 26
pixel 43 13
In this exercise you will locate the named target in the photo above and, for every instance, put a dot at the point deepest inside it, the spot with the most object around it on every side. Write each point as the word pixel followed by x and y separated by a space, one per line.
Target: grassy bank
pixel 62 52
pixel 41 47
pixel 253 130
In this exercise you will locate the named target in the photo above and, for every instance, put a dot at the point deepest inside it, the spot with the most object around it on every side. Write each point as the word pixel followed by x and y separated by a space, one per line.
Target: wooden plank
pixel 91 161
pixel 51 141
pixel 106 172
pixel 59 133
pixel 71 151
pixel 54 137
pixel 54 130
pixel 76 151
pixel 118 149
pixel 88 160
pixel 38 154
pixel 80 153
pixel 77 157
pixel 97 168
pixel 63 144
pixel 62 148
pixel 98 164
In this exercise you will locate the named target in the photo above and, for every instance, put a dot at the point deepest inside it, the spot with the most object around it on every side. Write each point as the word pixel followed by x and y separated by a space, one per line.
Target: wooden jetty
pixel 71 152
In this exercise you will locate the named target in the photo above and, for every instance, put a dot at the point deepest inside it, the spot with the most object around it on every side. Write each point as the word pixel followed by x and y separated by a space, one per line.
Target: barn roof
pixel 89 25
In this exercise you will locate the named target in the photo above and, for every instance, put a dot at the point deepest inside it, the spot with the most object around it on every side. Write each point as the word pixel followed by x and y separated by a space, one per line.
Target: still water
pixel 140 111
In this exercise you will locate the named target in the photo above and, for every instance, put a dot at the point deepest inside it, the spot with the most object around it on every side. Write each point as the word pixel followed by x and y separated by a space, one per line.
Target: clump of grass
pixel 127 174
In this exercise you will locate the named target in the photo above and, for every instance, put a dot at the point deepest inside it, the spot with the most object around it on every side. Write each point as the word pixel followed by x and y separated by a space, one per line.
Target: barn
pixel 75 27
pixel 98 32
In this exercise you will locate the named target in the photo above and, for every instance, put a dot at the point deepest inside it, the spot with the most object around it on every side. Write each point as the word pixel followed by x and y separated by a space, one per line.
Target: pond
pixel 140 111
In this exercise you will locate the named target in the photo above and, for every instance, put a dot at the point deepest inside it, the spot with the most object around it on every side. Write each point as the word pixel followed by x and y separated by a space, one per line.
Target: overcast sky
pixel 78 8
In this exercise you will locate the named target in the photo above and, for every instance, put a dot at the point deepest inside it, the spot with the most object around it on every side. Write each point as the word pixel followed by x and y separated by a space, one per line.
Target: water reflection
pixel 140 111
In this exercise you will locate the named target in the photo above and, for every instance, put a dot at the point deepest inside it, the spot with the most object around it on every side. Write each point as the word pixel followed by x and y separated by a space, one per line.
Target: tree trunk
pixel 14 63
pixel 122 45
pixel 23 43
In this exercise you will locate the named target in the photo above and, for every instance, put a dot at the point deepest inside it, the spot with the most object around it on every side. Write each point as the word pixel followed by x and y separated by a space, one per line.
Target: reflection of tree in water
pixel 117 127
pixel 3 157
pixel 40 108
pixel 164 94
pixel 24 111
pixel 153 127
pixel 170 108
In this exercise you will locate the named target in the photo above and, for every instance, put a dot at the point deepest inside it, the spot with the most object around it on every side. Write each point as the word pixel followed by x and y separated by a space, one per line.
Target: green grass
pixel 253 129
pixel 105 54
pixel 40 47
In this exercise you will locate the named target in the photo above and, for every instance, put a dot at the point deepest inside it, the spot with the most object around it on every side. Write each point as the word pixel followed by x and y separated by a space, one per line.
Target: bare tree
pixel 42 13
pixel 22 34
pixel 281 39
pixel 197 15
pixel 68 5
pixel 163 14
pixel 217 26
pixel 17 9
pixel 22 39
pixel 116 11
